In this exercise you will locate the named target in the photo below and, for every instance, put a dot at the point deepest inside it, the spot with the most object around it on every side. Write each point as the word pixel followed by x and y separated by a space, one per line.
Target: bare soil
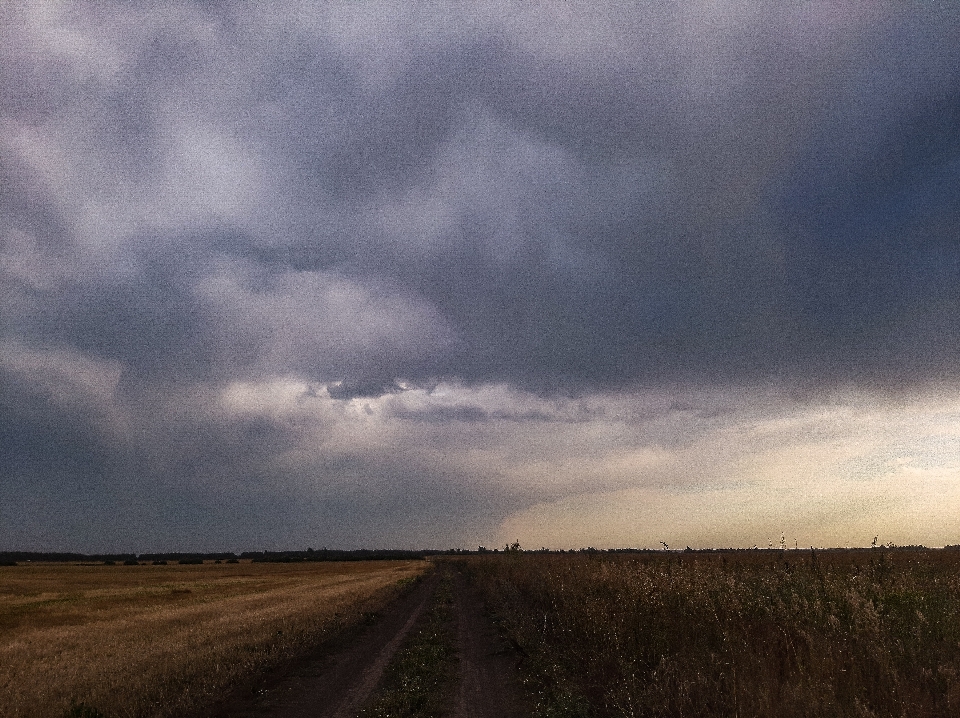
pixel 337 678
pixel 489 678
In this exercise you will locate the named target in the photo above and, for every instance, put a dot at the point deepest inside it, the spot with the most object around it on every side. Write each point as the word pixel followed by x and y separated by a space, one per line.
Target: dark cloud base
pixel 771 202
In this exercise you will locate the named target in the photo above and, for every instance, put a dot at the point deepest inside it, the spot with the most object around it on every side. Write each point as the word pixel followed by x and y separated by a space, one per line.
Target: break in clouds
pixel 391 275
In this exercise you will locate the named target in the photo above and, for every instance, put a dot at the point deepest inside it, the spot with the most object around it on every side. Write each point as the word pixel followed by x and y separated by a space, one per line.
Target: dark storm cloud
pixel 769 226
pixel 673 233
pixel 376 201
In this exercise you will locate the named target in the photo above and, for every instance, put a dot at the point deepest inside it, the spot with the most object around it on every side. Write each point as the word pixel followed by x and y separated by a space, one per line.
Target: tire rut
pixel 339 677
pixel 489 679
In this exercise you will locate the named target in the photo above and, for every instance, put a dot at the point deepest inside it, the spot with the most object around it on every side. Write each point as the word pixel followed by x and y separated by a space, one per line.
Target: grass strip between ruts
pixel 419 681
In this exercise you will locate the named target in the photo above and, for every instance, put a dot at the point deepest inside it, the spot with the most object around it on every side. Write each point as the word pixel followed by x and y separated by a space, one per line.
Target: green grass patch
pixel 419 681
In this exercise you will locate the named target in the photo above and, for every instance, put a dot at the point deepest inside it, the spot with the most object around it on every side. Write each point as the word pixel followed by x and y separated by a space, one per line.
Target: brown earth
pixel 337 678
pixel 489 680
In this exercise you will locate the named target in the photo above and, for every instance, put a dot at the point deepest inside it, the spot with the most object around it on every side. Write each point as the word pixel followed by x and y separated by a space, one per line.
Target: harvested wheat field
pixel 162 640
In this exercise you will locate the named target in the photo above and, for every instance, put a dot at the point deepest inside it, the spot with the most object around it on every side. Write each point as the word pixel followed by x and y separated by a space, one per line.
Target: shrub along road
pixel 344 677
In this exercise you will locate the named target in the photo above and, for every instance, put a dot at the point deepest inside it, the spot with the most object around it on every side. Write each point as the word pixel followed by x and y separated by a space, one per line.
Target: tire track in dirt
pixel 342 675
pixel 338 678
pixel 489 684
pixel 357 695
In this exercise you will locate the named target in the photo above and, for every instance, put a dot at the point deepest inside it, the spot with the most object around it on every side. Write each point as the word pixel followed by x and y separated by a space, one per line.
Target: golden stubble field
pixel 164 640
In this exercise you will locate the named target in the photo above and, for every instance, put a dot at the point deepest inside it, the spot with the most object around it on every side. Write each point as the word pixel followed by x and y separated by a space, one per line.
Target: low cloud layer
pixel 380 275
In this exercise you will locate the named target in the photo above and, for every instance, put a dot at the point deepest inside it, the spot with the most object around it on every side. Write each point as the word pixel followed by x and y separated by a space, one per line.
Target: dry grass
pixel 163 640
pixel 751 634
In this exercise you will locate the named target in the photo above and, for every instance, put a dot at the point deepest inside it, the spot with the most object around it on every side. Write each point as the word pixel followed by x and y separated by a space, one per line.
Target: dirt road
pixel 489 685
pixel 339 677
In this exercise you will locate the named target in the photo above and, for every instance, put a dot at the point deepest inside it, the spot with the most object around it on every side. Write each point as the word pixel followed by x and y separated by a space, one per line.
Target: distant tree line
pixel 336 555
pixel 9 557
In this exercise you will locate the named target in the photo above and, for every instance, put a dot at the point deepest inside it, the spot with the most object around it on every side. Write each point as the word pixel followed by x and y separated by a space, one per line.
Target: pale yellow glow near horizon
pixel 834 477
pixel 633 469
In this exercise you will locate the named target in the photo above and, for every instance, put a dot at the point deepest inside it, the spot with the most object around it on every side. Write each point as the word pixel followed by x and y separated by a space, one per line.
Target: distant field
pixel 161 640
pixel 758 633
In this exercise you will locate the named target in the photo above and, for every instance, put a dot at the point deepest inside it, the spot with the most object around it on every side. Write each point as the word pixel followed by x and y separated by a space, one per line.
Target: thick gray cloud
pixel 371 199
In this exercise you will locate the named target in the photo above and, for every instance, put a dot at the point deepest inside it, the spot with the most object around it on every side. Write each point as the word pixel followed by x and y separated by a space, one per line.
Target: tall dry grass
pixel 749 634
pixel 165 640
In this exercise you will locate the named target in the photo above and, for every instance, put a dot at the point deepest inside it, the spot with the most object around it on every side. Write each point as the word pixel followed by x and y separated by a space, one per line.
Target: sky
pixel 423 275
